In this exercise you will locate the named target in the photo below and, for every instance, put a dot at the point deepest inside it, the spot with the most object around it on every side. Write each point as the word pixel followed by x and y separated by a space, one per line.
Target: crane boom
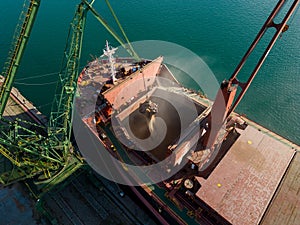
pixel 224 103
pixel 280 28
pixel 127 47
pixel 60 123
pixel 22 36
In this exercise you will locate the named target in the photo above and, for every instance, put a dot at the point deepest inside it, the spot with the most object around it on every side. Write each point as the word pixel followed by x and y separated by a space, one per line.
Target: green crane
pixel 21 37
pixel 34 150
pixel 46 153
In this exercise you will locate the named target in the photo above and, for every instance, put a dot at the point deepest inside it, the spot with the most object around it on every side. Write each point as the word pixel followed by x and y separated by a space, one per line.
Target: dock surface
pixel 89 199
pixel 19 107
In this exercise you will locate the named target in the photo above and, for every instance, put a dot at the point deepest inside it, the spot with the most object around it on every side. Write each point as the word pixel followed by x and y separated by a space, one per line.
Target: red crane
pixel 226 100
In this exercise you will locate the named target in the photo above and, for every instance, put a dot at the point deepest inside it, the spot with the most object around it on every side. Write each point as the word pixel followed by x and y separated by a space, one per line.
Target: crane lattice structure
pixel 46 153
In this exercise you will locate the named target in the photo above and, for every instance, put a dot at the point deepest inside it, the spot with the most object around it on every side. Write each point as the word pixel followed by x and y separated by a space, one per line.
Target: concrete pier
pixel 19 106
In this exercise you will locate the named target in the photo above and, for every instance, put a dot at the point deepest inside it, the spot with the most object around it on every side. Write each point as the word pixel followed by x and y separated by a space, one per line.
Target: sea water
pixel 217 31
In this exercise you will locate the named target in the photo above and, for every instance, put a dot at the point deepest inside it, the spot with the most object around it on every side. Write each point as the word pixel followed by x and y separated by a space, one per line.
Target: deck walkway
pixel 285 207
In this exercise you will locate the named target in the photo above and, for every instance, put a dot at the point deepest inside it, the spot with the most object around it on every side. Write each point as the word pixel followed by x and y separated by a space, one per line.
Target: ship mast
pixel 109 52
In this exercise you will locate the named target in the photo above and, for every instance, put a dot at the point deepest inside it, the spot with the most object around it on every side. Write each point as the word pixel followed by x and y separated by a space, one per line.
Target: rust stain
pixel 19 205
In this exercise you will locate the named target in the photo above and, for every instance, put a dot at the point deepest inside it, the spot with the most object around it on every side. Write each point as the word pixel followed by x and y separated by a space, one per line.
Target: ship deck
pixel 285 207
pixel 243 184
pixel 256 182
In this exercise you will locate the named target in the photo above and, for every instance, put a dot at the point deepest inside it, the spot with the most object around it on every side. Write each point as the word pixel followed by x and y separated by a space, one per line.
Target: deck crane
pixel 46 153
pixel 226 100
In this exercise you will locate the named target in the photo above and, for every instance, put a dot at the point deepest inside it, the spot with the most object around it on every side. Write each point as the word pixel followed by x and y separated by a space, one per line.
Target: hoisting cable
pixel 44 105
pixel 36 84
pixel 43 75
pixel 109 29
pixel 122 30
pixel 37 76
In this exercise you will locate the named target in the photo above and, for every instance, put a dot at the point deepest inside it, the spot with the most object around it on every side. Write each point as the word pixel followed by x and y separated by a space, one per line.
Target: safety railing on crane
pixel 20 39
pixel 16 40
pixel 9 155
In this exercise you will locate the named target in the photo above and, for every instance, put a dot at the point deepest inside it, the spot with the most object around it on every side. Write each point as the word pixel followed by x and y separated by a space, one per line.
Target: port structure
pixel 227 99
pixel 45 152
pixel 32 149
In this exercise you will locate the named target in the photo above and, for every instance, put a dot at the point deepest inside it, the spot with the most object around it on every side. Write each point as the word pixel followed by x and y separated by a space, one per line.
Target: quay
pixel 19 106
pixel 84 198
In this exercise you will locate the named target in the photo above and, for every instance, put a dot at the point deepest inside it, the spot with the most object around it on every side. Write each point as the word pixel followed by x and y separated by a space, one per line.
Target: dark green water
pixel 218 31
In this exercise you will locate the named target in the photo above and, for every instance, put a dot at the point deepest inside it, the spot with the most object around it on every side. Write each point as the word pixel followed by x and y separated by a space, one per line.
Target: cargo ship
pixel 242 178
pixel 197 163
